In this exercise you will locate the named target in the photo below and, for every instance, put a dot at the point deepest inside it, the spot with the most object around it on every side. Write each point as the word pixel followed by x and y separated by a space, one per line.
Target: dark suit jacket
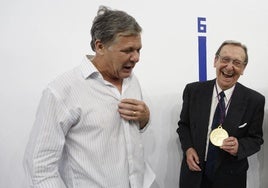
pixel 244 121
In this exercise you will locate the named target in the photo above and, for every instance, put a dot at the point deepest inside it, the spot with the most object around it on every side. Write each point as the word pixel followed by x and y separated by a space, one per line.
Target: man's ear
pixel 215 61
pixel 242 72
pixel 99 47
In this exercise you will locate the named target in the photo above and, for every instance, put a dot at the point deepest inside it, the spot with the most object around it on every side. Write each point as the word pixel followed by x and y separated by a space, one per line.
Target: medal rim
pixel 222 132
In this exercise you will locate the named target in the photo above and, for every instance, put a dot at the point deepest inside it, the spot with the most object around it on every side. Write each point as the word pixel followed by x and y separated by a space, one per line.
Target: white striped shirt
pixel 79 139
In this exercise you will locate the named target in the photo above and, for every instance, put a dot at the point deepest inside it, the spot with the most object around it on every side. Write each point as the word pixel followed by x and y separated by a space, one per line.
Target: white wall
pixel 41 39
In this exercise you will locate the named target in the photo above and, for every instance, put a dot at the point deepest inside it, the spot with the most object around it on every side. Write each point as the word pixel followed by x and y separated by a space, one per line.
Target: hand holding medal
pixel 230 145
pixel 218 135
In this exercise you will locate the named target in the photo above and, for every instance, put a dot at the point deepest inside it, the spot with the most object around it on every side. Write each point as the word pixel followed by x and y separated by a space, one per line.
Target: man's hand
pixel 132 109
pixel 192 160
pixel 230 145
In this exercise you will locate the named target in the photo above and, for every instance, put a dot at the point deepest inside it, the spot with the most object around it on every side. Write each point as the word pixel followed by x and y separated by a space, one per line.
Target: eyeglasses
pixel 226 60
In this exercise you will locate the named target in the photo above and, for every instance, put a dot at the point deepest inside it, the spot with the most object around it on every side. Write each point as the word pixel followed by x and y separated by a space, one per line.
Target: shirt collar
pixel 88 69
pixel 227 92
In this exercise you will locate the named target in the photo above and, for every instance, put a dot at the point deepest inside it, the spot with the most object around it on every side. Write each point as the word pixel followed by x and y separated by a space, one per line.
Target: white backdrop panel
pixel 42 39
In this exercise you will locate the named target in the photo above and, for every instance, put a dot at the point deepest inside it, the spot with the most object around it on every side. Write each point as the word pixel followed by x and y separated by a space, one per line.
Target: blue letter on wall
pixel 202 49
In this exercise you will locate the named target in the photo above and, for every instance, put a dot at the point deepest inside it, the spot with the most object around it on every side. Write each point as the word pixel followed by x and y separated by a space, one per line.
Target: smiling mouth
pixel 227 75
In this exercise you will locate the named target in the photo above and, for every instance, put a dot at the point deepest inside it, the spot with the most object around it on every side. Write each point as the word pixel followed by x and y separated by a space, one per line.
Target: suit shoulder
pixel 251 92
pixel 200 84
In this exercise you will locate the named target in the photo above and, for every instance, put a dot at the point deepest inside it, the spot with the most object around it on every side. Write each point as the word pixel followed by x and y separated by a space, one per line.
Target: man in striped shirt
pixel 87 132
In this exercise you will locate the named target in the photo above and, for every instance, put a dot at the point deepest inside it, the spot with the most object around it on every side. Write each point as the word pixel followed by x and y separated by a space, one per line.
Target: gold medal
pixel 218 135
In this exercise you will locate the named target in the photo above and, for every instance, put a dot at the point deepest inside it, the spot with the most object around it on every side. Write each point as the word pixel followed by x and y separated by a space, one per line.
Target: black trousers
pixel 225 180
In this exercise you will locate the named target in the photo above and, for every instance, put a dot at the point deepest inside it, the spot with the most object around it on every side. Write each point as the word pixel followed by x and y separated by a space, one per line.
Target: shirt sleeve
pixel 46 142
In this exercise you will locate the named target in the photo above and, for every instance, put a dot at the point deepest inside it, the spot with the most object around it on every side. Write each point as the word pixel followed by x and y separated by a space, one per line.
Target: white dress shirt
pixel 79 139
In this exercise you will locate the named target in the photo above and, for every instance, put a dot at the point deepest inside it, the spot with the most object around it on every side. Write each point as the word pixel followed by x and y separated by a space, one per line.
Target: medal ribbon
pixel 221 105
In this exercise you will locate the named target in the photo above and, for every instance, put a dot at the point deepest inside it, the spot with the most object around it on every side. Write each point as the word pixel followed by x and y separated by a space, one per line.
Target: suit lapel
pixel 203 110
pixel 205 101
pixel 236 110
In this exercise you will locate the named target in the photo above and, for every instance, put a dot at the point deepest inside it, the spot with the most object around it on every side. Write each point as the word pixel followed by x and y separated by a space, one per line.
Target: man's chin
pixel 126 74
pixel 226 83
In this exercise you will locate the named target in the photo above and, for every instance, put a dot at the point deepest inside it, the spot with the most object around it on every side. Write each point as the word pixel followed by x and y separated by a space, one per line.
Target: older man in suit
pixel 215 154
